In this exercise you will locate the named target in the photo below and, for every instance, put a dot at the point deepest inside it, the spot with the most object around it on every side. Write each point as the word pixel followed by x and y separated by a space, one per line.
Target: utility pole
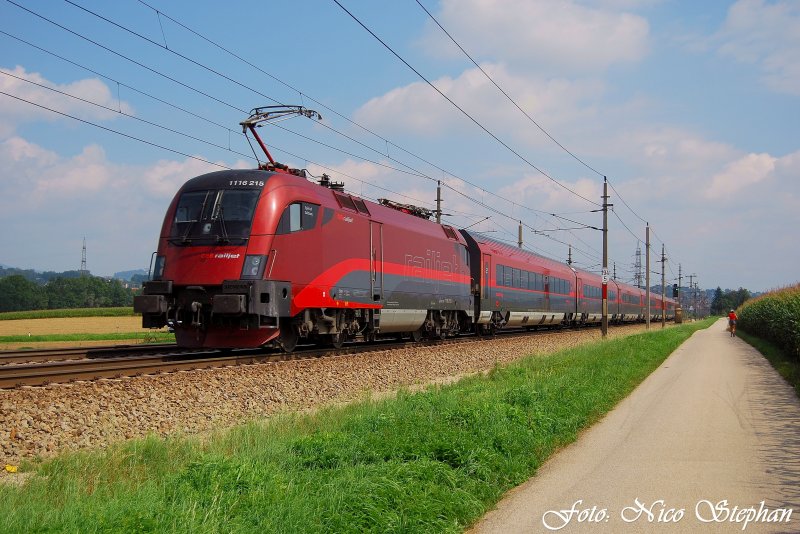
pixel 695 299
pixel 438 202
pixel 647 275
pixel 604 323
pixel 637 267
pixel 663 301
pixel 680 291
pixel 691 288
pixel 519 235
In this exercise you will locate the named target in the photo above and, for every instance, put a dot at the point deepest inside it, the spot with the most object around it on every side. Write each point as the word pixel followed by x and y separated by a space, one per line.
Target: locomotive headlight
pixel 158 270
pixel 253 267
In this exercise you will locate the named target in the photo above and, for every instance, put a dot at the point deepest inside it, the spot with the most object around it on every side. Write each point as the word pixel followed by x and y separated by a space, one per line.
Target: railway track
pixel 82 364
pixel 69 365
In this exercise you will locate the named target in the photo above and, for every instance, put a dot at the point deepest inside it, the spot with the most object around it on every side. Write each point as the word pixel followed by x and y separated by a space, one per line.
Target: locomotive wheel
pixel 337 340
pixel 416 335
pixel 288 338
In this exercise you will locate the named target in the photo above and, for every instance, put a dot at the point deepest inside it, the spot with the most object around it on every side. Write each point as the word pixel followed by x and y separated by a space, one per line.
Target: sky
pixel 690 109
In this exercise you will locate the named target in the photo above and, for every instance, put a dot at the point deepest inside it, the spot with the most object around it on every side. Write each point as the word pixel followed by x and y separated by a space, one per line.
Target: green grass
pixel 787 367
pixel 433 461
pixel 148 337
pixel 76 312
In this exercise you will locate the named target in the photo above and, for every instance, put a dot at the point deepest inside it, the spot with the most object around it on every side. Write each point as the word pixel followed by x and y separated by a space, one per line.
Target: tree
pixel 717 304
pixel 728 300
pixel 17 293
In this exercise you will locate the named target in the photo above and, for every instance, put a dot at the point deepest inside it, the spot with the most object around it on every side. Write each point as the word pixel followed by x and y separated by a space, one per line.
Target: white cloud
pixel 56 199
pixel 14 112
pixel 561 35
pixel 416 108
pixel 539 192
pixel 164 177
pixel 739 174
pixel 767 35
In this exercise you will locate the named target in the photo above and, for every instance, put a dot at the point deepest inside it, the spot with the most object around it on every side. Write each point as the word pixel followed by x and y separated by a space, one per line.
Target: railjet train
pixel 250 258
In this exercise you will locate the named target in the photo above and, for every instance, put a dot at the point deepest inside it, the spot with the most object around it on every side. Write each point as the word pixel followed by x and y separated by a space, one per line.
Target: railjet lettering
pixel 431 268
pixel 220 256
pixel 659 512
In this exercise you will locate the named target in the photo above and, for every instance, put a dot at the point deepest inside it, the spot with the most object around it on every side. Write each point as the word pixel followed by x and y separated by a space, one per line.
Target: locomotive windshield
pixel 214 216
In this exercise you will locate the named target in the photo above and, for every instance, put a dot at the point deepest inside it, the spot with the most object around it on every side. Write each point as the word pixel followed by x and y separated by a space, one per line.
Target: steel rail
pixel 74 353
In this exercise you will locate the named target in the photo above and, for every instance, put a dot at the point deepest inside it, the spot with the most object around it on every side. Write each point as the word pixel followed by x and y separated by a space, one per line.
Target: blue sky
pixel 692 110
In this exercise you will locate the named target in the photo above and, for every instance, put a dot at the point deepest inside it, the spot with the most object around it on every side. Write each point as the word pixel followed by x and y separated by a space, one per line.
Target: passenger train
pixel 250 258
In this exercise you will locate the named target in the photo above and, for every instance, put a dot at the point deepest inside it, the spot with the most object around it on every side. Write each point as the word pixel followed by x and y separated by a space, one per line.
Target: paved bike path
pixel 713 428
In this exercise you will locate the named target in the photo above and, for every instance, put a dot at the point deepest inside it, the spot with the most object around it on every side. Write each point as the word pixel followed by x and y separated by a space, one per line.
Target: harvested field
pixel 71 325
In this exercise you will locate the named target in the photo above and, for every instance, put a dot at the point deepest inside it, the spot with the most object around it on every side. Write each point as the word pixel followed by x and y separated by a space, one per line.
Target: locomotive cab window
pixel 222 215
pixel 298 216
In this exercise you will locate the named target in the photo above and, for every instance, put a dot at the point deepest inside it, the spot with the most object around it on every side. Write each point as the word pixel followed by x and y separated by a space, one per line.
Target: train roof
pixel 513 253
pixel 219 179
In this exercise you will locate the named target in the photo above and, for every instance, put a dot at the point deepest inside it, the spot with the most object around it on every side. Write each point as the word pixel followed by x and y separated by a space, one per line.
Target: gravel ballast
pixel 43 421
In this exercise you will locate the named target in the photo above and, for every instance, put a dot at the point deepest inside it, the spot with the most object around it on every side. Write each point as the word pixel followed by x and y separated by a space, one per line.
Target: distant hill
pixel 37 276
pixel 128 275
pixel 42 277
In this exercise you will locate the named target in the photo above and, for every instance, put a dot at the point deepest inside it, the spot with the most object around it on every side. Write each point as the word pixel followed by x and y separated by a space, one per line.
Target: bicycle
pixel 732 327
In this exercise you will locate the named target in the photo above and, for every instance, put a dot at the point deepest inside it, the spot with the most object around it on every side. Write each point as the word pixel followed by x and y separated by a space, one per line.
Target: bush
pixel 775 317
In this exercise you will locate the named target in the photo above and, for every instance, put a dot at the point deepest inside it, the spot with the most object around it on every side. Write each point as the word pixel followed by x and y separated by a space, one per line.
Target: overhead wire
pixel 459 108
pixel 531 119
pixel 488 77
pixel 128 115
pixel 417 173
pixel 302 93
pixel 203 66
pixel 116 131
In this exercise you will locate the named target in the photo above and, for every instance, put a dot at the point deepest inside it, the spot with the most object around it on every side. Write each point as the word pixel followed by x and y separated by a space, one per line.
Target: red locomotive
pixel 254 257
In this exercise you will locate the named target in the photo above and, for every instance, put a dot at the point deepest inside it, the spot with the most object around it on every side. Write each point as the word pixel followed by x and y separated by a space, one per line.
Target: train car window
pixel 508 273
pixel 499 275
pixel 523 279
pixel 515 281
pixel 612 295
pixel 449 232
pixel 298 216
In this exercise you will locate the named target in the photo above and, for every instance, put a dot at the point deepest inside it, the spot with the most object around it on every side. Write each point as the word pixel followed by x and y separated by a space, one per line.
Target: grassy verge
pixel 431 461
pixel 60 314
pixel 147 337
pixel 787 367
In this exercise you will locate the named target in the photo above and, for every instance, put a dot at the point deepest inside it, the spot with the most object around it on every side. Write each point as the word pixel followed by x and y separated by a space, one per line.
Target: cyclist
pixel 732 318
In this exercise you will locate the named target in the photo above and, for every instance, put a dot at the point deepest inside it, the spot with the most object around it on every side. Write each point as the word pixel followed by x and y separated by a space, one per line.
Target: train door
pixel 487 269
pixel 376 260
pixel 547 292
